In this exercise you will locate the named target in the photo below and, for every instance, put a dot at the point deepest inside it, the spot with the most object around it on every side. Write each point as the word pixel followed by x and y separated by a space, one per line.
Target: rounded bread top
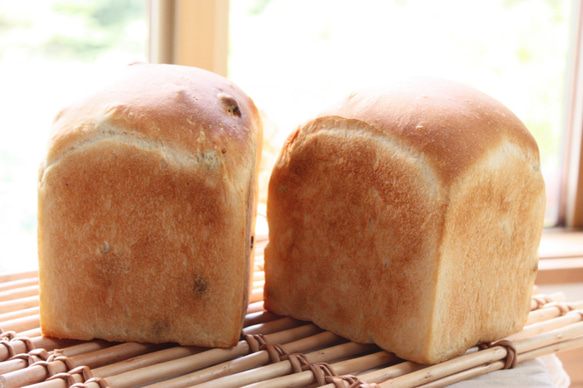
pixel 180 106
pixel 452 124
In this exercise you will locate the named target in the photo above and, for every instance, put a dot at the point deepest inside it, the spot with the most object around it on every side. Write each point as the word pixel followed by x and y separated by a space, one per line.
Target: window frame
pixel 190 33
pixel 571 199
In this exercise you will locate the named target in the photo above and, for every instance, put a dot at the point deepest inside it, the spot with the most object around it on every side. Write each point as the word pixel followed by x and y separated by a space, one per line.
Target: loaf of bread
pixel 146 205
pixel 409 217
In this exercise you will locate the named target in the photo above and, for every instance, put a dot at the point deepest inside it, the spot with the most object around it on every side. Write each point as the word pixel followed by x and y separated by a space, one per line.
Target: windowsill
pixel 561 257
pixel 561 243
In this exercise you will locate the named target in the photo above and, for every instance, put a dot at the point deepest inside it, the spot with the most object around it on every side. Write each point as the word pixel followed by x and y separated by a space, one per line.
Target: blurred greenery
pixel 81 30
pixel 256 7
pixel 104 25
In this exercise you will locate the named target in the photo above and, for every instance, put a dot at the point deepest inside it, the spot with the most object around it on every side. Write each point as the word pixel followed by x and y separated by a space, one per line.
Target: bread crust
pixel 146 210
pixel 408 217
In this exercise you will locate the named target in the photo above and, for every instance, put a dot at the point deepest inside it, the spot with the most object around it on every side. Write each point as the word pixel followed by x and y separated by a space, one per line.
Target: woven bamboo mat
pixel 274 351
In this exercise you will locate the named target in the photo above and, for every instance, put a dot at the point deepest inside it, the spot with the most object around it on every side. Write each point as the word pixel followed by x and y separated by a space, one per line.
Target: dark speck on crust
pixel 200 286
pixel 159 327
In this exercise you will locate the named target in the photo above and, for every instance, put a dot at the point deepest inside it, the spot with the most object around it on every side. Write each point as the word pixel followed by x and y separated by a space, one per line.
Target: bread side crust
pixel 499 206
pixel 178 232
pixel 353 242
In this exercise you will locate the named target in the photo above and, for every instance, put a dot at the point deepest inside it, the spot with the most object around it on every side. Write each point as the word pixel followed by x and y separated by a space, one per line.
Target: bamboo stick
pixel 552 310
pixel 115 353
pixel 548 338
pixel 364 363
pixel 111 354
pixel 58 383
pixel 164 371
pixel 293 337
pixel 84 347
pixel 239 364
pixel 284 367
pixel 465 375
pixel 178 366
pixel 252 360
pixel 146 360
pixel 19 363
pixel 487 368
pixel 260 317
pixel 569 344
pixel 391 372
pixel 256 295
pixel 316 341
pixel 19 293
pixel 18 314
pixel 37 373
pixel 538 299
pixel 258 275
pixel 22 324
pixel 45 345
pixel 19 345
pixel 255 307
pixel 548 325
pixel 351 366
pixel 272 326
pixel 36 332
pixel 33 374
pixel 447 368
pixel 258 283
pixel 18 283
pixel 18 304
pixel 8 277
pixel 200 360
pixel 476 359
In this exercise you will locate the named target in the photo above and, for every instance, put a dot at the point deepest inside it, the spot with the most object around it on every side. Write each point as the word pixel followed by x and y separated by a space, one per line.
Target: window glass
pixel 51 53
pixel 296 57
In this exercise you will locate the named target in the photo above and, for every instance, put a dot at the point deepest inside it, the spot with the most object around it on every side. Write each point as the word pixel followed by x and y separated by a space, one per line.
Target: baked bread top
pixel 447 123
pixel 148 100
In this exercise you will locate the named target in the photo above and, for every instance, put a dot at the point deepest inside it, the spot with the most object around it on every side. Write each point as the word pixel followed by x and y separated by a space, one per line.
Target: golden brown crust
pixel 439 118
pixel 392 220
pixel 146 206
pixel 202 108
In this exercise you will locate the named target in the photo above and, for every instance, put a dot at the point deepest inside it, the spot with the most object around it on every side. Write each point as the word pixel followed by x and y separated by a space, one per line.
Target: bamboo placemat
pixel 274 351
